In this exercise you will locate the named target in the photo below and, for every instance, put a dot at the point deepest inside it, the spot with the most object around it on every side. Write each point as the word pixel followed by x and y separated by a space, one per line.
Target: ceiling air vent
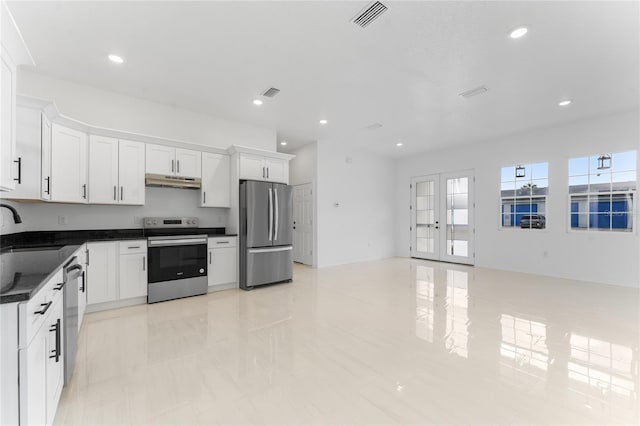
pixel 474 92
pixel 271 92
pixel 369 14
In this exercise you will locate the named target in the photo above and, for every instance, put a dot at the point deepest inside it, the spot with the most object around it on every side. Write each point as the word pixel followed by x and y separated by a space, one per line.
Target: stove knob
pixel 155 222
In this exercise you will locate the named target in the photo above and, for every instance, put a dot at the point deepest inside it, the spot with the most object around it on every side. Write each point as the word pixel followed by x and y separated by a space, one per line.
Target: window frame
pixel 531 197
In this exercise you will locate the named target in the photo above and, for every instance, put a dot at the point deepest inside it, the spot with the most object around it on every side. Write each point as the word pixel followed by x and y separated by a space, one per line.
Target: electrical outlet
pixel 63 220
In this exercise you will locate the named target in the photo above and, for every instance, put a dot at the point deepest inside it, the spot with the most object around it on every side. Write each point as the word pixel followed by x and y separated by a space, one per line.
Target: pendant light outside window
pixel 604 162
pixel 520 172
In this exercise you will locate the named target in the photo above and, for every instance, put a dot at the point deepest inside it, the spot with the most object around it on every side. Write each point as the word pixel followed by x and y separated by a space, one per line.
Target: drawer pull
pixel 222 242
pixel 133 247
pixel 60 286
pixel 46 308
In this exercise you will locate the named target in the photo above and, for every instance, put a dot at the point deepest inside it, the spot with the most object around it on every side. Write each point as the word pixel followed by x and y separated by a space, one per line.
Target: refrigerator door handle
pixel 277 218
pixel 270 215
pixel 270 250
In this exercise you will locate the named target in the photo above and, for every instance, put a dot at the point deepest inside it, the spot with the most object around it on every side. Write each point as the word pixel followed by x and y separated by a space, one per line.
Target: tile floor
pixel 397 341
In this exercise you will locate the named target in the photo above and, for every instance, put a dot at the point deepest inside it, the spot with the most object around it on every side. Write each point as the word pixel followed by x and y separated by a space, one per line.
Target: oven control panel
pixel 171 222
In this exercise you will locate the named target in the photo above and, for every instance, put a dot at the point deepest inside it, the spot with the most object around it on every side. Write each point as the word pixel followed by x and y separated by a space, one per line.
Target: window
pixel 601 192
pixel 523 196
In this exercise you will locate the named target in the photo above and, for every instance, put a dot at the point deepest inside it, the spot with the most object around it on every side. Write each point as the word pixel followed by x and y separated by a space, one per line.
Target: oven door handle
pixel 181 242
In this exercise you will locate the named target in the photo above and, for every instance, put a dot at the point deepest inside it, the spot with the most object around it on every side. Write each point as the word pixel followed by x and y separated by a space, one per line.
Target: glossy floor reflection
pixel 397 341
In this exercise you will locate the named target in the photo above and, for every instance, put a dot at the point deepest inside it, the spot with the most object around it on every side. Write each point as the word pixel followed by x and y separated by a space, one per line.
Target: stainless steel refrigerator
pixel 266 233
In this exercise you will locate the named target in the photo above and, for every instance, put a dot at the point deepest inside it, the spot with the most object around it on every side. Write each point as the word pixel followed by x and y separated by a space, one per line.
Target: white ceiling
pixel 404 71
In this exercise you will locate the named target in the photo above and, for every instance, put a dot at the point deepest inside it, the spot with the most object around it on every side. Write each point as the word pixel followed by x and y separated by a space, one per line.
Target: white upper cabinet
pixel 28 154
pixel 7 120
pixel 68 165
pixel 13 53
pixel 188 163
pixel 131 172
pixel 215 191
pixel 168 161
pixel 277 169
pixel 45 140
pixel 161 160
pixel 261 167
pixel 103 170
pixel 116 171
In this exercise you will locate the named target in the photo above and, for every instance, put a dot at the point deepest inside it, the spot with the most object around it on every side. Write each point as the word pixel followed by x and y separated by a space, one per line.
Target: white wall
pixel 303 168
pixel 159 202
pixel 111 110
pixel 611 258
pixel 361 227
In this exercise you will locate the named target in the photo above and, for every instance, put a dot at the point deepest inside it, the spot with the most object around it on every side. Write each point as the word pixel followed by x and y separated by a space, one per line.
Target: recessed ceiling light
pixel 518 32
pixel 257 102
pixel 323 122
pixel 283 143
pixel 565 103
pixel 399 144
pixel 115 58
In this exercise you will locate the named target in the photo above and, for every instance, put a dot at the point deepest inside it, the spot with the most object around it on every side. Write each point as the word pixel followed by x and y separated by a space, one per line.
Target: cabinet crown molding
pixel 236 149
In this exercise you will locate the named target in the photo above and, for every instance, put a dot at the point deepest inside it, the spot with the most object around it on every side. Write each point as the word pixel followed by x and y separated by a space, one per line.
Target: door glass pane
pixel 425 216
pixel 457 243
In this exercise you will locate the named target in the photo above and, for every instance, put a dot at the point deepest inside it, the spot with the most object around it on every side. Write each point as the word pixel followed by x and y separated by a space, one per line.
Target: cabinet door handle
pixel 60 286
pixel 46 308
pixel 173 163
pixel 84 191
pixel 178 168
pixel 209 258
pixel 133 247
pixel 115 190
pixel 82 289
pixel 48 179
pixel 267 172
pixel 19 161
pixel 222 242
pixel 204 198
pixel 87 253
pixel 121 193
pixel 263 176
pixel 144 263
pixel 56 352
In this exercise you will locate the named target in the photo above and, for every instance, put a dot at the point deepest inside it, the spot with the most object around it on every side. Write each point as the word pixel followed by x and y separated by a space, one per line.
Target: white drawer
pixel 221 242
pixel 132 246
pixel 32 313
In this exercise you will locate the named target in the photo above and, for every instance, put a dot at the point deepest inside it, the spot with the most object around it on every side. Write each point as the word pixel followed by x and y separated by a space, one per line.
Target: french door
pixel 442 217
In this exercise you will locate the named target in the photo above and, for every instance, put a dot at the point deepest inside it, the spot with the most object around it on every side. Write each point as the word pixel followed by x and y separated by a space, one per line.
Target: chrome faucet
pixel 16 216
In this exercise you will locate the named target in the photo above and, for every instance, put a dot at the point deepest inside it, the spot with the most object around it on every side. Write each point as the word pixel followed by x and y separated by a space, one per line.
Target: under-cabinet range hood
pixel 172 181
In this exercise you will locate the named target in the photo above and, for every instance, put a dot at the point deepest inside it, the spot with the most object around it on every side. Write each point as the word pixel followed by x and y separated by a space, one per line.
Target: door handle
pixel 173 166
pixel 60 286
pixel 121 193
pixel 19 161
pixel 56 352
pixel 270 213
pixel 84 191
pixel 48 179
pixel 277 208
pixel 144 263
pixel 115 190
pixel 267 172
pixel 82 289
pixel 204 198
pixel 209 258
pixel 178 168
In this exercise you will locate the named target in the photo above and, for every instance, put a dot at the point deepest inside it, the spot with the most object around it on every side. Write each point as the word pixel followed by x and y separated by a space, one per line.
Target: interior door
pixel 303 224
pixel 425 226
pixel 442 225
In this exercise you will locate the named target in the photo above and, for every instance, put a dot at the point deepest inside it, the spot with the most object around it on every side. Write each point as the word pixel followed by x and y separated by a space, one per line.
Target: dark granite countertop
pixel 30 259
pixel 25 271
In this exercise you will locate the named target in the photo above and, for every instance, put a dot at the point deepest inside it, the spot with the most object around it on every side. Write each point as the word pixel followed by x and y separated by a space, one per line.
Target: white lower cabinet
pixel 101 272
pixel 133 269
pixel 41 358
pixel 222 268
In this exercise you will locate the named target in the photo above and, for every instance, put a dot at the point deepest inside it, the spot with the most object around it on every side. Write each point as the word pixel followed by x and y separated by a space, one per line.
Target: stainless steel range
pixel 178 262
